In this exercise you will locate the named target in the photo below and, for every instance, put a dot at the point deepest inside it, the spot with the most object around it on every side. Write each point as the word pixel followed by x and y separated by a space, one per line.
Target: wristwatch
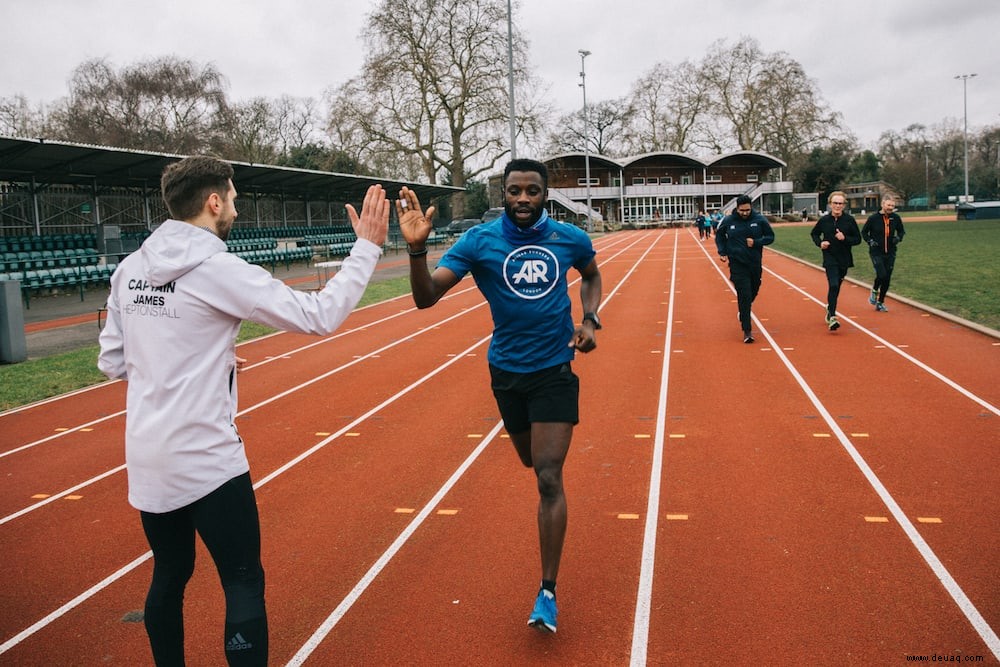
pixel 593 318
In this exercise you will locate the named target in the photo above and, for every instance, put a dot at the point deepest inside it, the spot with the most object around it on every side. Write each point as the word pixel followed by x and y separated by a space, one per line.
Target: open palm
pixel 414 224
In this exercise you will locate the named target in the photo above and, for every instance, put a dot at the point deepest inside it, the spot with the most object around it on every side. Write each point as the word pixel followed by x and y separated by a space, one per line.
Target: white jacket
pixel 173 315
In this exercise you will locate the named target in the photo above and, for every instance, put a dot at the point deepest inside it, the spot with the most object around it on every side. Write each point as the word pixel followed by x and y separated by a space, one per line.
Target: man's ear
pixel 214 203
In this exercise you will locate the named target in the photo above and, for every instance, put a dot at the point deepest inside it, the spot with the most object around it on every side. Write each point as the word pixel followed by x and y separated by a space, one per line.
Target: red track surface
pixel 814 498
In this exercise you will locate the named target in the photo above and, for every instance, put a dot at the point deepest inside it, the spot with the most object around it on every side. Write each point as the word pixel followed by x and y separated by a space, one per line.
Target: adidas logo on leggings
pixel 237 643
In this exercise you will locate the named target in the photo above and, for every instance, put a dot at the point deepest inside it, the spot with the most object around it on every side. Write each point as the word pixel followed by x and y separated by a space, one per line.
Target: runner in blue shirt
pixel 520 263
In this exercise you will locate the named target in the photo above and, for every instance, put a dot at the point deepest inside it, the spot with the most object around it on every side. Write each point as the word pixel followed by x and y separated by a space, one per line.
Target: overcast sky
pixel 883 64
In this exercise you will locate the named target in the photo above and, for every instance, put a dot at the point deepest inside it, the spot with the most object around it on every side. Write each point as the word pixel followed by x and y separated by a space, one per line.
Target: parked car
pixel 492 214
pixel 458 227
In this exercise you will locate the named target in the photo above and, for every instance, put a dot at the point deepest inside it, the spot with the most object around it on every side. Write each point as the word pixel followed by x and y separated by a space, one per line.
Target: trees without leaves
pixel 166 104
pixel 432 96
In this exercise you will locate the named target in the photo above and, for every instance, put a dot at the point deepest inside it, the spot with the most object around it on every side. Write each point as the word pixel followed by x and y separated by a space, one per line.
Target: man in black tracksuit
pixel 834 234
pixel 883 231
pixel 740 239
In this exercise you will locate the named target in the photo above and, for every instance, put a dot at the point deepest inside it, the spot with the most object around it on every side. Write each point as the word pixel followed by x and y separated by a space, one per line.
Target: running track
pixel 813 498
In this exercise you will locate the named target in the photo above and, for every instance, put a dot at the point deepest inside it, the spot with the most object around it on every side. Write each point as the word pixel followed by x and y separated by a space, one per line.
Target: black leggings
pixel 883 273
pixel 227 522
pixel 834 278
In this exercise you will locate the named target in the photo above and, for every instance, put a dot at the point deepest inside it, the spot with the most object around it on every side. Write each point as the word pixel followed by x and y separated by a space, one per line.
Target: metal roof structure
pixel 41 162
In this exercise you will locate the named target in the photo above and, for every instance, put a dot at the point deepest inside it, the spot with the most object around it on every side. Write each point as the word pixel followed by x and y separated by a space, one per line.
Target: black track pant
pixel 227 522
pixel 883 273
pixel 746 280
pixel 834 278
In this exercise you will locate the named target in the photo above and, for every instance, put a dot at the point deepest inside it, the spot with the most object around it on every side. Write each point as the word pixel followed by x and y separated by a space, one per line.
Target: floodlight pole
pixel 965 107
pixel 927 175
pixel 586 135
pixel 510 82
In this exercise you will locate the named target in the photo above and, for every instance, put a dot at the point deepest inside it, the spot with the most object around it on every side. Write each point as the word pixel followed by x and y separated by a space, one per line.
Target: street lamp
pixel 965 106
pixel 586 133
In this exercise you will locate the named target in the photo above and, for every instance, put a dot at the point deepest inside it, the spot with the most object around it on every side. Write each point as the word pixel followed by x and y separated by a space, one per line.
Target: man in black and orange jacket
pixel 883 231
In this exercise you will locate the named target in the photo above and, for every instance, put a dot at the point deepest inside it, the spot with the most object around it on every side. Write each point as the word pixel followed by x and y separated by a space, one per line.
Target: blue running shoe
pixel 873 298
pixel 880 307
pixel 543 616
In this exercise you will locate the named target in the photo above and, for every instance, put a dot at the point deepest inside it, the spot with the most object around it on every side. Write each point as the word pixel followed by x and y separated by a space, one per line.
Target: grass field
pixel 947 265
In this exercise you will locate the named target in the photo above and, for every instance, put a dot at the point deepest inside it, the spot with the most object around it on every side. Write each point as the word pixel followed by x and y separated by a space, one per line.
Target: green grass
pixel 38 379
pixel 948 265
pixel 935 213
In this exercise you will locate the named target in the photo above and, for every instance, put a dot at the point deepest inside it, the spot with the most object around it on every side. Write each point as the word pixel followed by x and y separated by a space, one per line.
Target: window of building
pixel 583 181
pixel 667 180
pixel 713 178
pixel 638 180
pixel 752 178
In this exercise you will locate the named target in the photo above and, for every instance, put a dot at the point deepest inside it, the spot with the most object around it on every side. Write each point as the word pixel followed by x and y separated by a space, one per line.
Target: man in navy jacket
pixel 740 239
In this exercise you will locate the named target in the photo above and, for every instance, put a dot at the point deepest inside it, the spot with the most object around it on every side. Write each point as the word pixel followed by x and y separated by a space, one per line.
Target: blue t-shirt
pixel 525 284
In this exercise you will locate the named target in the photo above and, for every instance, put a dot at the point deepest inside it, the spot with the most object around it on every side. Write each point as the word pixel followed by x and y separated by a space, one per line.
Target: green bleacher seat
pixel 88 275
pixel 59 278
pixel 31 280
pixel 45 279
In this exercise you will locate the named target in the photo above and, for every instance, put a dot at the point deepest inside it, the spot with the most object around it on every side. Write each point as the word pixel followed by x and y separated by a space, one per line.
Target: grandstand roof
pixel 57 163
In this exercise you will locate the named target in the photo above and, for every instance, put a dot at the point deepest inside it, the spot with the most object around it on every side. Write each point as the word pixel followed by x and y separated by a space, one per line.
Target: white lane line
pixel 906 355
pixel 27 632
pixel 331 621
pixel 101 585
pixel 963 602
pixel 923 548
pixel 640 628
pixel 61 494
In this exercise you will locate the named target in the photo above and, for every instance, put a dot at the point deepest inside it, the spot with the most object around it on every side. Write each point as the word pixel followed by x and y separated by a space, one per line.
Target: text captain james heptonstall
pixel 150 305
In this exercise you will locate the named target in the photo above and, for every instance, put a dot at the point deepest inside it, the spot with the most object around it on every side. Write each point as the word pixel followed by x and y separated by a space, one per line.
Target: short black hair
pixel 744 199
pixel 524 164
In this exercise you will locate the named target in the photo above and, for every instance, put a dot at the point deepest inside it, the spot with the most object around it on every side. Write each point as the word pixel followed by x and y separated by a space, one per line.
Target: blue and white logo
pixel 531 271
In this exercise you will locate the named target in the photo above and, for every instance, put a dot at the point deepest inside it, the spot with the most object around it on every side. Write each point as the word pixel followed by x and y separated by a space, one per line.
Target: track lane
pixel 772 626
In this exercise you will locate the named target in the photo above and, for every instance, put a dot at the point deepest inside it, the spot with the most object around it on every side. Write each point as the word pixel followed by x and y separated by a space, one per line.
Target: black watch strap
pixel 593 318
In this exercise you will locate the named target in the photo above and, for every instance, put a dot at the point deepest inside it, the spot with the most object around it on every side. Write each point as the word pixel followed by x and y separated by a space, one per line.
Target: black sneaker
pixel 747 337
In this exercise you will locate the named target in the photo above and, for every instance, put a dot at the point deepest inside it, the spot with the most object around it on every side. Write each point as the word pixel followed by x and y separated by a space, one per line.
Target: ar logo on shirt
pixel 531 271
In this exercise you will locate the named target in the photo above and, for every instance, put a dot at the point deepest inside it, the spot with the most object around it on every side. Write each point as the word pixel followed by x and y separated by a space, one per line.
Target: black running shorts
pixel 549 395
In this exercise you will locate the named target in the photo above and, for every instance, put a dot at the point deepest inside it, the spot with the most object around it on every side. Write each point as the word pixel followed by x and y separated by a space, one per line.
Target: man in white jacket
pixel 174 312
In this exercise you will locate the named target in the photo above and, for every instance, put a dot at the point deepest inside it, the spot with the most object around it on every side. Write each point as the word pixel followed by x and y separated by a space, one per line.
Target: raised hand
pixel 414 224
pixel 373 223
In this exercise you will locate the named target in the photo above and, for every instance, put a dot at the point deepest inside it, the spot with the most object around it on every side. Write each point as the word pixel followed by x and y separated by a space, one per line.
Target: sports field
pixel 813 498
pixel 949 265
